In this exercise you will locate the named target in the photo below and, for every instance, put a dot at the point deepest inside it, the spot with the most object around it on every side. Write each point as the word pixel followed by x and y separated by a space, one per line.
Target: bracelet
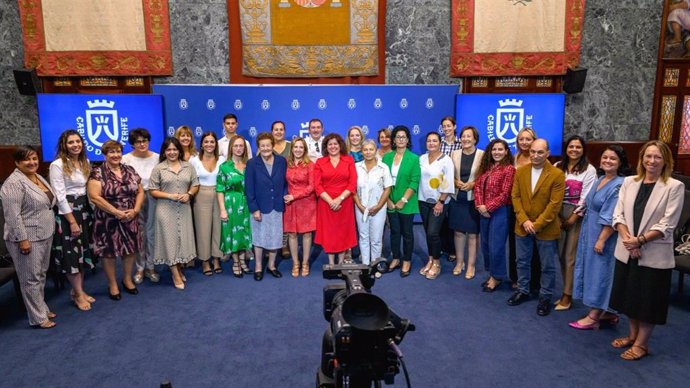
pixel 644 239
pixel 403 199
pixel 342 198
pixel 190 194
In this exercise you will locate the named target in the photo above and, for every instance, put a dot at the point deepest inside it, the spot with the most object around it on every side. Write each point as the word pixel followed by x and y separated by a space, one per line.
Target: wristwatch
pixel 403 199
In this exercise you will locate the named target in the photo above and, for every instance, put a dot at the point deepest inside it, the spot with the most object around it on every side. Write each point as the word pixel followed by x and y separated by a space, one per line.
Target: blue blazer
pixel 265 192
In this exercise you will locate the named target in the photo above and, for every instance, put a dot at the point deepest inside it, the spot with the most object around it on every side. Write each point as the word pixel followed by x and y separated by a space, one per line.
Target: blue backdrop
pixel 202 108
pixel 98 117
pixel 503 115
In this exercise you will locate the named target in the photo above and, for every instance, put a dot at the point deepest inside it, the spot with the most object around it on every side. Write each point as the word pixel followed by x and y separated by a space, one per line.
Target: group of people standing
pixel 612 235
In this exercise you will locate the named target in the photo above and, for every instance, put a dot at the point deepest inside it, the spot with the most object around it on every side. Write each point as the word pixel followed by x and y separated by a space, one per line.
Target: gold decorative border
pixel 464 62
pixel 156 60
pixel 261 59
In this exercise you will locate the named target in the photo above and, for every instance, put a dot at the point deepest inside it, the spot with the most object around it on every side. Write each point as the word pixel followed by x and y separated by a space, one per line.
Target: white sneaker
pixel 152 276
pixel 138 277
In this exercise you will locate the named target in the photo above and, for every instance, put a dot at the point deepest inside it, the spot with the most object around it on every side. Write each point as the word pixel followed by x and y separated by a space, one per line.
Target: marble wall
pixel 619 47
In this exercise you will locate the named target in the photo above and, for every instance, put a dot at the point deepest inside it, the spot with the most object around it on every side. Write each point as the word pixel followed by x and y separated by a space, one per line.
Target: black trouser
pixel 401 226
pixel 432 226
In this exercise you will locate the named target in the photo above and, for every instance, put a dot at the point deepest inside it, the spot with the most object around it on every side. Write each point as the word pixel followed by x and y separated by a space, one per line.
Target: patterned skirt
pixel 268 233
pixel 74 254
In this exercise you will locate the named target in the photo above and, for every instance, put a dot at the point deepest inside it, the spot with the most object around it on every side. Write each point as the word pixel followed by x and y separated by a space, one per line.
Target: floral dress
pixel 235 233
pixel 113 237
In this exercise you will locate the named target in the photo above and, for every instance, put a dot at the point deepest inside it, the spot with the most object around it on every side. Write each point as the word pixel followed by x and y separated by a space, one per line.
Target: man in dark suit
pixel 537 194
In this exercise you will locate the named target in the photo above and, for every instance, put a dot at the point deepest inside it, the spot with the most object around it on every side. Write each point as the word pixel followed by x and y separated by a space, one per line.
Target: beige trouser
pixel 567 248
pixel 207 223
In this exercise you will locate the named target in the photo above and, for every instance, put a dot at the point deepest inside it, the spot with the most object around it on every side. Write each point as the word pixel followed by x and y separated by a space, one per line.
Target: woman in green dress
pixel 235 232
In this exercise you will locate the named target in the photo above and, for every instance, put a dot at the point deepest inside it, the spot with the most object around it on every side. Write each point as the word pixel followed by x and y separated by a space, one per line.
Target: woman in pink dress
pixel 300 205
pixel 335 180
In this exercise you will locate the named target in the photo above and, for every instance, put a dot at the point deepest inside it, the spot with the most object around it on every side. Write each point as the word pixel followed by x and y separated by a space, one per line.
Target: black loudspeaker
pixel 574 80
pixel 27 82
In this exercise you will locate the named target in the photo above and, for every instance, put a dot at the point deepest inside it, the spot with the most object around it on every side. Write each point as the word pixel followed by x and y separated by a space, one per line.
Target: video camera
pixel 359 347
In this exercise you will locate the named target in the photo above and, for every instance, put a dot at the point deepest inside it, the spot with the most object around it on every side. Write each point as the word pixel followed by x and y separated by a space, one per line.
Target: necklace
pixel 34 180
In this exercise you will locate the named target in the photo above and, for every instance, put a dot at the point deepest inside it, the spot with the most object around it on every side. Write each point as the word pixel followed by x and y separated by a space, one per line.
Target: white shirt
pixel 372 183
pixel 143 166
pixel 436 178
pixel 536 173
pixel 223 143
pixel 206 178
pixel 74 184
pixel 315 148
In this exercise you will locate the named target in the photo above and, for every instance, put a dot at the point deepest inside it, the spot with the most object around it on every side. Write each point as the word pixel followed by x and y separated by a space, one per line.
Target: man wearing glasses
pixel 315 139
pixel 537 195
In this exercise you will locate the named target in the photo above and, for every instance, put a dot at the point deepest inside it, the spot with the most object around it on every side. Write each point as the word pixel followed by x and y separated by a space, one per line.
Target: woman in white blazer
pixel 647 211
pixel 28 201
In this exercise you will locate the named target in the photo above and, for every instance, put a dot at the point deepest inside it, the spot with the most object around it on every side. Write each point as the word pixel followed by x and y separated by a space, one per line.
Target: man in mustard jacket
pixel 537 194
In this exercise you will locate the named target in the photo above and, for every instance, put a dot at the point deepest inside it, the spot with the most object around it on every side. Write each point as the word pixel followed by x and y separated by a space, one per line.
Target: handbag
pixel 684 247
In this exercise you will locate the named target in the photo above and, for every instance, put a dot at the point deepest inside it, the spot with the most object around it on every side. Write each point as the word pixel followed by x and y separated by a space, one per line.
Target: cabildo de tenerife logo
pixel 510 117
pixel 100 123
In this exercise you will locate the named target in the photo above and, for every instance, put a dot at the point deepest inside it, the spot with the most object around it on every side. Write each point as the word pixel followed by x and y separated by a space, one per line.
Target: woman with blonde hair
pixel 71 251
pixel 186 137
pixel 647 212
pixel 525 137
pixel 374 182
pixel 300 205
pixel 353 142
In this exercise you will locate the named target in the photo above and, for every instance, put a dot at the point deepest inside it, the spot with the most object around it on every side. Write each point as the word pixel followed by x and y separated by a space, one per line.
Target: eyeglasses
pixel 140 141
pixel 401 138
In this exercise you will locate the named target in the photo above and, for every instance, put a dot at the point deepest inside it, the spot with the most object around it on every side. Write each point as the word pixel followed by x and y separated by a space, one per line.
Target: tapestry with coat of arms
pixel 515 37
pixel 310 38
pixel 96 38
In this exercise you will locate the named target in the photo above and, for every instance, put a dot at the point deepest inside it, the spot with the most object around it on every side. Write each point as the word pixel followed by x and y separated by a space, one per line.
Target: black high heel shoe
pixel 274 272
pixel 117 296
pixel 237 269
pixel 258 275
pixel 131 291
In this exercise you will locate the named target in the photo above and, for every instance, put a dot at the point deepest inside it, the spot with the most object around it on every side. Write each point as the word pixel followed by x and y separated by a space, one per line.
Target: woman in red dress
pixel 335 180
pixel 300 205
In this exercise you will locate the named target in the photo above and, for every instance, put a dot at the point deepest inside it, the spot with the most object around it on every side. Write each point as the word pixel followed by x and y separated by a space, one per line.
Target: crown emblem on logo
pixel 100 104
pixel 510 102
